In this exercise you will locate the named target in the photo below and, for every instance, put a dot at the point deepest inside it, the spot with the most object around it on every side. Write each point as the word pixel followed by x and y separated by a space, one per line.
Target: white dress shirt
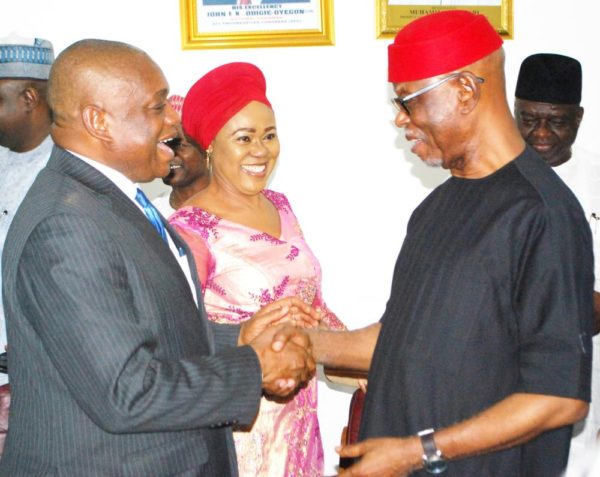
pixel 130 188
pixel 582 174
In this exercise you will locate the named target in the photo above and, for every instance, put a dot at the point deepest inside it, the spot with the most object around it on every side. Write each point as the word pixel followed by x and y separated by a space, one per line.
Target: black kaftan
pixel 492 295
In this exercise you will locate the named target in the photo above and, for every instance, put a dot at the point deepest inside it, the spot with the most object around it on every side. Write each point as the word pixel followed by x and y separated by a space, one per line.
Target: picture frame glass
pixel 395 14
pixel 256 23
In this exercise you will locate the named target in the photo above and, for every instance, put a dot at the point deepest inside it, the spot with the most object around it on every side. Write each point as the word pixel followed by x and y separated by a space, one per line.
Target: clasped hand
pixel 283 348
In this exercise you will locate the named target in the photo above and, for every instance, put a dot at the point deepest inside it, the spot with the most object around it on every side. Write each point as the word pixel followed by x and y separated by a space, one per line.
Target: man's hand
pixel 285 358
pixel 510 422
pixel 383 457
pixel 289 334
pixel 287 310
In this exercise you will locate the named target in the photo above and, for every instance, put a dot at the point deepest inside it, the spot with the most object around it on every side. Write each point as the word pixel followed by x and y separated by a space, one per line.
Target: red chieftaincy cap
pixel 440 43
pixel 218 96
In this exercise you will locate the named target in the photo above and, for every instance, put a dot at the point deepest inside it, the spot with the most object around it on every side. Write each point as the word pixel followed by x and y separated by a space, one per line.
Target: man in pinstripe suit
pixel 115 370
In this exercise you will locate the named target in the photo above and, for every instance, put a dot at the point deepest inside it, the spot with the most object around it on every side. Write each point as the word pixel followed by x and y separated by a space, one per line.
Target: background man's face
pixel 550 129
pixel 13 114
pixel 188 165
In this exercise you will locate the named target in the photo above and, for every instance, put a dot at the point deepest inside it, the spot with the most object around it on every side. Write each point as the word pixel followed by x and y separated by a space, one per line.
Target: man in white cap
pixel 24 127
pixel 25 147
pixel 25 142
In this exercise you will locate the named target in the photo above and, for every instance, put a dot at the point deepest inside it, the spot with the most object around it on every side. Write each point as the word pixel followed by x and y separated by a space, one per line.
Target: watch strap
pixel 433 460
pixel 429 447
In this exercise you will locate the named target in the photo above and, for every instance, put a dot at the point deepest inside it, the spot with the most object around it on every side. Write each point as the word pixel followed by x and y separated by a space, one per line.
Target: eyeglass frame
pixel 400 103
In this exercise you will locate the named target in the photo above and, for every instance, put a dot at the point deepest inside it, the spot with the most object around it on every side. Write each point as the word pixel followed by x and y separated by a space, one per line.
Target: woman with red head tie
pixel 250 251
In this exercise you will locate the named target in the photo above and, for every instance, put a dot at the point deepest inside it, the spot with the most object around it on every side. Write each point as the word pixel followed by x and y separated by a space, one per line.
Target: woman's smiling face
pixel 245 150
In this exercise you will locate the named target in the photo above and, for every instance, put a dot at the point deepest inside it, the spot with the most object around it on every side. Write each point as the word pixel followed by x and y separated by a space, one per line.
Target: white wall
pixel 343 165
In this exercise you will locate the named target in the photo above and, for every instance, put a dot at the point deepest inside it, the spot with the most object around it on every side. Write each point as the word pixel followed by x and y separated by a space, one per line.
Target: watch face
pixel 436 466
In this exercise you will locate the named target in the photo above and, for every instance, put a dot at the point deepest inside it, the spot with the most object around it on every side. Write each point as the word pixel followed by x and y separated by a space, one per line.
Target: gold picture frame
pixel 225 24
pixel 390 18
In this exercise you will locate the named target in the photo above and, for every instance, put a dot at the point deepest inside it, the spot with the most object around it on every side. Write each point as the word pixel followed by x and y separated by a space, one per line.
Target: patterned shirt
pixel 19 170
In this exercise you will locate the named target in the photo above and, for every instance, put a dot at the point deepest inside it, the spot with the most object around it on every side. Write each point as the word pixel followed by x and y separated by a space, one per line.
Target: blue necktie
pixel 152 214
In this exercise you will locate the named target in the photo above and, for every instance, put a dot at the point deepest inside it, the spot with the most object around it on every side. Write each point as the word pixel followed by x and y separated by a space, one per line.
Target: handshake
pixel 276 333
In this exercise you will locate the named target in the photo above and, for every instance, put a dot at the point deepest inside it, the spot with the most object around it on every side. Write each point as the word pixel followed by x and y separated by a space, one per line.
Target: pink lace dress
pixel 241 270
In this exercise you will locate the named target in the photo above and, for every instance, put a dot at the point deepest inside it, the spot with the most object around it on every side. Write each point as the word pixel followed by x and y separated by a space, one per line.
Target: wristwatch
pixel 433 460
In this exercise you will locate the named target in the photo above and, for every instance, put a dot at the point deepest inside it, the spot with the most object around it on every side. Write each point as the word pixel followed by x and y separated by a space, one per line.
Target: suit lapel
pixel 66 163
pixel 183 246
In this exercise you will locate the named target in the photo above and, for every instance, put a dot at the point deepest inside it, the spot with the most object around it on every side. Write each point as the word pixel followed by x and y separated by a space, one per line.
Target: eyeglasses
pixel 400 103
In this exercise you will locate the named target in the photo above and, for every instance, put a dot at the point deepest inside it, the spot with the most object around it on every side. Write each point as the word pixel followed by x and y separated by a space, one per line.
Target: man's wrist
pixel 314 335
pixel 415 452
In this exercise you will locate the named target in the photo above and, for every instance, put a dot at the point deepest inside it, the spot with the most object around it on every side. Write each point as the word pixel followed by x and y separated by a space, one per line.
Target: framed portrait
pixel 256 23
pixel 394 14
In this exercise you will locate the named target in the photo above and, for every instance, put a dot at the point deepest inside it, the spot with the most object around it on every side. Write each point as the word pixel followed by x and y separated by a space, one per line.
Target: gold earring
pixel 209 160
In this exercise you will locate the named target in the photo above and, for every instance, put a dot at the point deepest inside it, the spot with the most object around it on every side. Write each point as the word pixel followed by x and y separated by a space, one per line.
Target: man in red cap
pixel 481 361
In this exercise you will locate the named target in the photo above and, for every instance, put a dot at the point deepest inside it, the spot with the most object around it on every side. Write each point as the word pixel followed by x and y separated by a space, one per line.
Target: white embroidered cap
pixel 25 57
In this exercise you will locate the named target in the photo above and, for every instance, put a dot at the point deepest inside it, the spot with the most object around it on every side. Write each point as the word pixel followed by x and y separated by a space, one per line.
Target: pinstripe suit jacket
pixel 114 370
